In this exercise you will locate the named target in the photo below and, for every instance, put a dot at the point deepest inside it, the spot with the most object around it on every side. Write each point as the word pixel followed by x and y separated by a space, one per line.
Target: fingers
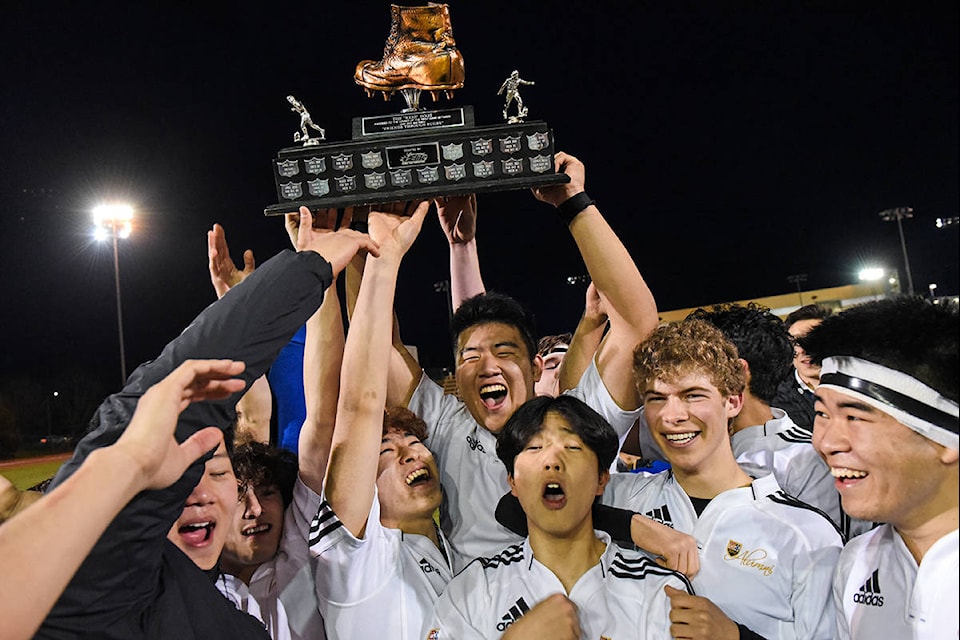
pixel 200 443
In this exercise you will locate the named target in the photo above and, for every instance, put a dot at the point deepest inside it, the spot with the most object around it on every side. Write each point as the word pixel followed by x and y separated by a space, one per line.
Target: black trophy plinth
pixel 414 156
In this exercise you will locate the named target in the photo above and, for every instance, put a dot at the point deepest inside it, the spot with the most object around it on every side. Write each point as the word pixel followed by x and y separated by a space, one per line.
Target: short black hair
pixel 912 335
pixel 808 312
pixel 261 465
pixel 527 421
pixel 495 307
pixel 760 338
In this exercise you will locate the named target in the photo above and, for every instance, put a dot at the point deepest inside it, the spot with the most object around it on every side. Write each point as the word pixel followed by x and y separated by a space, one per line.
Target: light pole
pixel 796 279
pixel 115 220
pixel 898 214
pixel 933 290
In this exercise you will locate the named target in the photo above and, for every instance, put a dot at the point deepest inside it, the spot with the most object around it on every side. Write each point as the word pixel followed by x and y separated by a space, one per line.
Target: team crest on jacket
pixel 733 548
pixel 434 634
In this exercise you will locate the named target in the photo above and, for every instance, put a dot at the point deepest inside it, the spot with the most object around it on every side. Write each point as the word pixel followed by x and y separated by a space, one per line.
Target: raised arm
pixel 322 359
pixel 255 408
pixel 458 218
pixel 586 339
pixel 145 457
pixel 352 470
pixel 630 304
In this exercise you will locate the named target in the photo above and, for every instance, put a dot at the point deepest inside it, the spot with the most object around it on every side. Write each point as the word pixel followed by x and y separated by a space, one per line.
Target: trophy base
pixel 446 157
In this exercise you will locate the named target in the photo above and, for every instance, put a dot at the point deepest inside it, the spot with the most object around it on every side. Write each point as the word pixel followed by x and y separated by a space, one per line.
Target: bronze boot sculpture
pixel 420 55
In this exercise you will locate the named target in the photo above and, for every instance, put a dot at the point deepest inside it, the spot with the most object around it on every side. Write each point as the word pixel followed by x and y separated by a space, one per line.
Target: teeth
pixel 196 526
pixel 417 475
pixel 260 528
pixel 680 437
pixel 843 472
pixel 493 388
pixel 553 488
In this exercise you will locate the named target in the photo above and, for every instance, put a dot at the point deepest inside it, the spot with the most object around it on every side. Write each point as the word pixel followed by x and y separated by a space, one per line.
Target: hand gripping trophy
pixel 512 86
pixel 305 121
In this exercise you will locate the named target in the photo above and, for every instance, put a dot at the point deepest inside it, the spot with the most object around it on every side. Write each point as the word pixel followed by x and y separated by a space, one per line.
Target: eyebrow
pixel 850 404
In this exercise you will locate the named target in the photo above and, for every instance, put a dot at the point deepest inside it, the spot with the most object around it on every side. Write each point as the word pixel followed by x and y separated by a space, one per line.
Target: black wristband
pixel 572 206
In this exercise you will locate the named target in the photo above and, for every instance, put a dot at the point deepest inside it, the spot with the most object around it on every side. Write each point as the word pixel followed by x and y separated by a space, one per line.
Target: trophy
pixel 416 154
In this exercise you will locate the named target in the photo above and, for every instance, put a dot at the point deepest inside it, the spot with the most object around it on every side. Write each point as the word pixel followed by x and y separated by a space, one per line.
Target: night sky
pixel 730 144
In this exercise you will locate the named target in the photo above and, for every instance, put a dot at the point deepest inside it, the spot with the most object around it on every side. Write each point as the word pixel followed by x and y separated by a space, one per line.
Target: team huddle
pixel 811 489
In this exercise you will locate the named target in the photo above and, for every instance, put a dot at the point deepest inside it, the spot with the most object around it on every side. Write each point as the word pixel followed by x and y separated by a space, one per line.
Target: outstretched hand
pixel 148 440
pixel 223 272
pixel 557 194
pixel 458 217
pixel 337 247
pixel 394 233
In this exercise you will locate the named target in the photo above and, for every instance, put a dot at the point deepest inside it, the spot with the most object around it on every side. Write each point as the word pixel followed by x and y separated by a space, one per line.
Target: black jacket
pixel 135 583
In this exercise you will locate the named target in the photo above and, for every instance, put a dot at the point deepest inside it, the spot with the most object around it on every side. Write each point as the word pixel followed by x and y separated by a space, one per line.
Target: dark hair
pixel 915 336
pixel 547 344
pixel 760 338
pixel 693 346
pixel 495 307
pixel 808 312
pixel 262 465
pixel 527 421
pixel 404 421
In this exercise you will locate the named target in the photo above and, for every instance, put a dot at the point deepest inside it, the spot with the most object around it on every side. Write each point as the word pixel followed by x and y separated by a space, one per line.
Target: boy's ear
pixel 604 479
pixel 513 485
pixel 537 367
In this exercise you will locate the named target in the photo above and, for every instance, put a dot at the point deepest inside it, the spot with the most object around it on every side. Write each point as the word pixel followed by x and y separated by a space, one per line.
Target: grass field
pixel 27 473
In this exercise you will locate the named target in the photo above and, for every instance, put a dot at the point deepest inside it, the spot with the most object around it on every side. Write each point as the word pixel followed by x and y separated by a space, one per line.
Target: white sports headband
pixel 908 400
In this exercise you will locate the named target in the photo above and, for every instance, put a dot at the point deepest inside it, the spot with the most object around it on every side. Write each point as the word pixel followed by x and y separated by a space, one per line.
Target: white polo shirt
pixel 473 477
pixel 880 592
pixel 382 586
pixel 622 596
pixel 766 559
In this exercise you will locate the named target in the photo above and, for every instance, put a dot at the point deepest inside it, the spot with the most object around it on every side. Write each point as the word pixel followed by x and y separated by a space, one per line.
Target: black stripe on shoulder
pixel 796 434
pixel 784 498
pixel 324 523
pixel 510 555
pixel 639 568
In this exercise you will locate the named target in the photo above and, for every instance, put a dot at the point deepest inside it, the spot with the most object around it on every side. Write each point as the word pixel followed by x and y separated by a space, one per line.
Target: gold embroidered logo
pixel 752 559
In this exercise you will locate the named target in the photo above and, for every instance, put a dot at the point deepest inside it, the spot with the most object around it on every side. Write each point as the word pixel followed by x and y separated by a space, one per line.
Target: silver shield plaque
pixel 510 145
pixel 342 162
pixel 455 171
pixel 315 165
pixel 401 177
pixel 512 166
pixel 371 159
pixel 346 183
pixel 291 190
pixel 483 169
pixel 481 147
pixel 452 151
pixel 375 180
pixel 541 163
pixel 538 141
pixel 288 168
pixel 427 175
pixel 319 187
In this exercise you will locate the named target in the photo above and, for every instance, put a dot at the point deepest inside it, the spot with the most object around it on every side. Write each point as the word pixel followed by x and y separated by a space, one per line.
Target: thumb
pixel 249 264
pixel 672 592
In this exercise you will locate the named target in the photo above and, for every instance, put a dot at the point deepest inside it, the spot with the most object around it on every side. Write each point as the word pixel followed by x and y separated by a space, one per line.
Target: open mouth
pixel 681 439
pixel 553 495
pixel 256 530
pixel 196 533
pixel 846 477
pixel 420 476
pixel 493 394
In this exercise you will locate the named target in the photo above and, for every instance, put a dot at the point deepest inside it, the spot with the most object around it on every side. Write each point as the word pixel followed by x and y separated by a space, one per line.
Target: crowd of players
pixel 811 489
